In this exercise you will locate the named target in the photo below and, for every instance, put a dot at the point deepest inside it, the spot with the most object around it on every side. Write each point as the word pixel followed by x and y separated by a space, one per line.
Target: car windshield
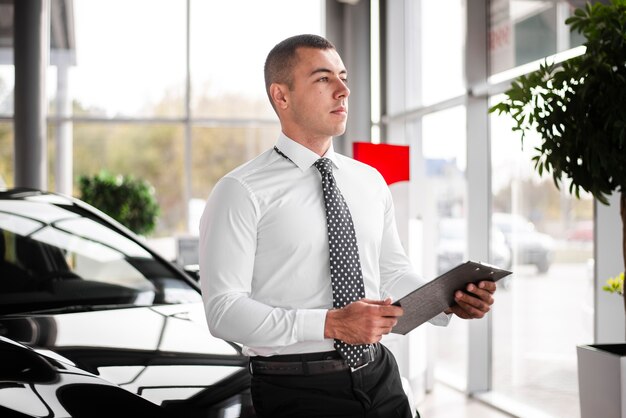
pixel 56 255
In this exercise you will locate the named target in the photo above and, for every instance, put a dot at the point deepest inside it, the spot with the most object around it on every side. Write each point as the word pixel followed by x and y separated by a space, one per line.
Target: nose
pixel 342 91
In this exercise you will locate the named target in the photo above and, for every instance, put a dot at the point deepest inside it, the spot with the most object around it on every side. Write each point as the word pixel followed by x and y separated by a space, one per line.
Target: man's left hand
pixel 475 302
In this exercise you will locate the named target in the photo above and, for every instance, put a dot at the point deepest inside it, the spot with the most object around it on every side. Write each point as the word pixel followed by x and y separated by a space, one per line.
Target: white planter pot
pixel 602 380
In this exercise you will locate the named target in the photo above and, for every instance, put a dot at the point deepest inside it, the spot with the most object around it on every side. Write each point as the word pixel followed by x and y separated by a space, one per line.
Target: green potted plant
pixel 579 110
pixel 128 200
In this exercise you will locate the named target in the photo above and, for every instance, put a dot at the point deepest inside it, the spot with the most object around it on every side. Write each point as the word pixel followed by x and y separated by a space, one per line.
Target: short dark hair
pixel 282 58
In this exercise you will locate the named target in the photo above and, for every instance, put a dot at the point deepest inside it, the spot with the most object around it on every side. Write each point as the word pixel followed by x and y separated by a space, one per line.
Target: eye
pixel 345 80
pixel 324 79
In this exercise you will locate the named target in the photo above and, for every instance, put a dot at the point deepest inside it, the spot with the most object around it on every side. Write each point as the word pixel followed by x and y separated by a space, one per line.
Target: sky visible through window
pixel 130 54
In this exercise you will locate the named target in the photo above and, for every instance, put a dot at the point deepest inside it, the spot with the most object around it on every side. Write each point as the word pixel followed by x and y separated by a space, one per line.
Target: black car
pixel 93 323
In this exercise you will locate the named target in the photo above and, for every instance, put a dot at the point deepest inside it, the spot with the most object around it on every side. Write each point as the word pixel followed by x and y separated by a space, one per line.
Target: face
pixel 316 105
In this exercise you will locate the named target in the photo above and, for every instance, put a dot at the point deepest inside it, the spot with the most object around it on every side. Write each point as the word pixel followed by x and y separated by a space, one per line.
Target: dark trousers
pixel 372 391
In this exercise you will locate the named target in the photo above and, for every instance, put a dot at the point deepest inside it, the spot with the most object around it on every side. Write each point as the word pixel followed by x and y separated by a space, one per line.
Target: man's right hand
pixel 362 322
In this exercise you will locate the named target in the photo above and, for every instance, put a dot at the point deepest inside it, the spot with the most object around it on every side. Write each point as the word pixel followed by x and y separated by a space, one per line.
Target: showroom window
pixel 445 162
pixel 545 309
pixel 195 133
pixel 228 50
pixel 7 85
pixel 153 152
pixel 425 110
pixel 168 91
pixel 130 58
pixel 6 154
pixel 523 31
pixel 511 359
pixel 442 73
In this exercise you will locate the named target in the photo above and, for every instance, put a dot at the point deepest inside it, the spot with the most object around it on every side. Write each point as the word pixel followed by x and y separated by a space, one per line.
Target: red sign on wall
pixel 392 161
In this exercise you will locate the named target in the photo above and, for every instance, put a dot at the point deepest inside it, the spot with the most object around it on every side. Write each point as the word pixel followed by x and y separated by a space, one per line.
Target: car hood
pixel 165 353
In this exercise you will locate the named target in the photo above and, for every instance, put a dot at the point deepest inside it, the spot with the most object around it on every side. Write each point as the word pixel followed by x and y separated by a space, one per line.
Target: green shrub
pixel 128 200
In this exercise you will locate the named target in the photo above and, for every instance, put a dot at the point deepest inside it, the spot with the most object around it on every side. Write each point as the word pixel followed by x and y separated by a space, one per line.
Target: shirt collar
pixel 303 157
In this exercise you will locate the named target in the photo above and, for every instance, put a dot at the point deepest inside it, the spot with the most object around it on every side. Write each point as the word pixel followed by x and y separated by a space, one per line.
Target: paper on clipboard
pixel 429 300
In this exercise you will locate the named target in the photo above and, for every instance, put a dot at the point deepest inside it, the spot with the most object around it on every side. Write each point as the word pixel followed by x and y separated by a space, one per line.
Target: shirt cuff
pixel 310 324
pixel 441 320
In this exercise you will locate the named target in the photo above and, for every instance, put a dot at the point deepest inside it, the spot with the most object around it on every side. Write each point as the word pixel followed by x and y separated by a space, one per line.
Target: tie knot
pixel 324 165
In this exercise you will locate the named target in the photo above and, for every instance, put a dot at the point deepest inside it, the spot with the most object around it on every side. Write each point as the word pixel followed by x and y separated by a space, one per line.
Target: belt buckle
pixel 369 353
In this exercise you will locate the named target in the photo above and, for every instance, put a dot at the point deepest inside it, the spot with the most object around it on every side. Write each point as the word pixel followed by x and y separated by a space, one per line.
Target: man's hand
pixel 474 303
pixel 362 322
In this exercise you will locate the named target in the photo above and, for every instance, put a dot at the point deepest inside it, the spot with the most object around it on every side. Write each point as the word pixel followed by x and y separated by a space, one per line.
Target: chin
pixel 339 131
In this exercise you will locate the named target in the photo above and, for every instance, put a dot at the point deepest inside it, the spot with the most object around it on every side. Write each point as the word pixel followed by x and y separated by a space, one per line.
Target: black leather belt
pixel 308 364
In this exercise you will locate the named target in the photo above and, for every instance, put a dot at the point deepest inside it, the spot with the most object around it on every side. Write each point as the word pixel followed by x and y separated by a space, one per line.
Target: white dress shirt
pixel 264 258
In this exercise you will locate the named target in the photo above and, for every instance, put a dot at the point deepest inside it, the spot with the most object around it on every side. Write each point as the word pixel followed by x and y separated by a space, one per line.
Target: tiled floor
pixel 445 402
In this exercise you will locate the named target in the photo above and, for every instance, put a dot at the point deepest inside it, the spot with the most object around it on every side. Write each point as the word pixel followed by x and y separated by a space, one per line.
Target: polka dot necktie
pixel 345 266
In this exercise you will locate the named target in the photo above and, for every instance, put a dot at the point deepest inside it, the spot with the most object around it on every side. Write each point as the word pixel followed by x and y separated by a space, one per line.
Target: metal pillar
pixel 348 28
pixel 356 57
pixel 479 186
pixel 31 44
pixel 609 309
pixel 64 166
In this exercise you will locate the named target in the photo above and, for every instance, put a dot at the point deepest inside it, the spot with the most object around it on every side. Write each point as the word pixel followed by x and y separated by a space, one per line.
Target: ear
pixel 280 95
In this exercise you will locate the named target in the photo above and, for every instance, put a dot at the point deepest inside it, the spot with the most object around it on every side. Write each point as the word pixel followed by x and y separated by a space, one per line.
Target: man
pixel 302 281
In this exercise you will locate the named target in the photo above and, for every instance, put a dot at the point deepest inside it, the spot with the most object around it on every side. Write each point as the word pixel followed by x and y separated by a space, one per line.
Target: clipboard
pixel 429 300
